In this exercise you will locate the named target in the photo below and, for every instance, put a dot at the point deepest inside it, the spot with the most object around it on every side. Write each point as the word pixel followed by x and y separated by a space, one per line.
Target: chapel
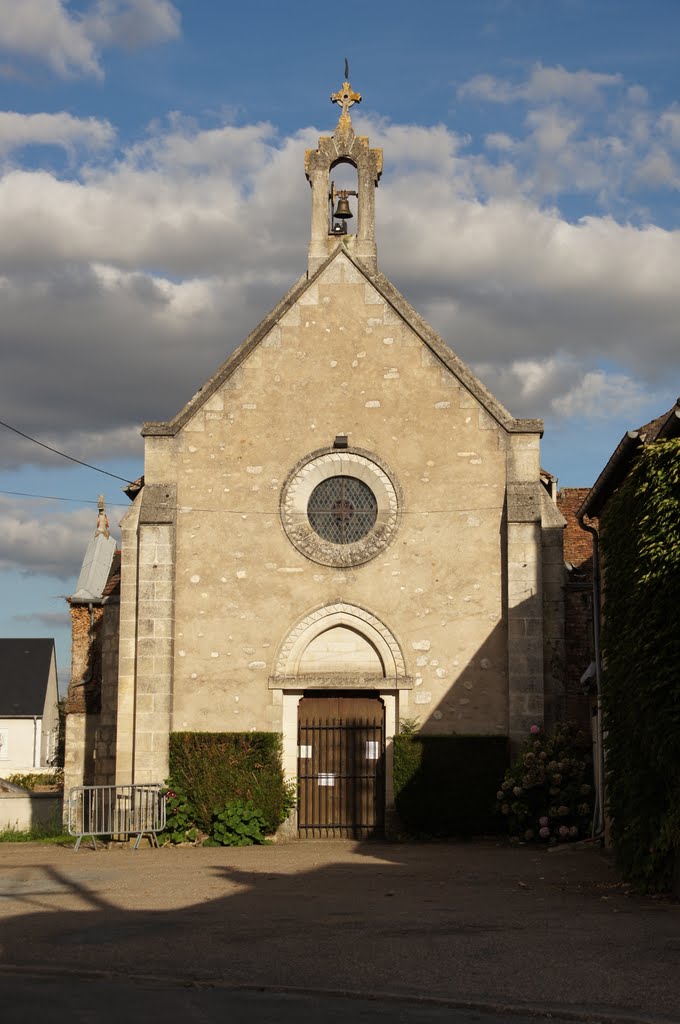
pixel 343 526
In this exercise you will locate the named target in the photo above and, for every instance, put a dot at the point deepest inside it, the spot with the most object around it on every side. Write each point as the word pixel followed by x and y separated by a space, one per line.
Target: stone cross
pixel 346 98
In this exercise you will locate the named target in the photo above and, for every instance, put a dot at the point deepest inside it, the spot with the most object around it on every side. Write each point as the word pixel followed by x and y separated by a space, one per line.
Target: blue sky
pixel 153 207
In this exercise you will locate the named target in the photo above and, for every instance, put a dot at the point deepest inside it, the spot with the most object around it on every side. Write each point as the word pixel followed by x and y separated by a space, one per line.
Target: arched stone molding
pixel 320 466
pixel 353 617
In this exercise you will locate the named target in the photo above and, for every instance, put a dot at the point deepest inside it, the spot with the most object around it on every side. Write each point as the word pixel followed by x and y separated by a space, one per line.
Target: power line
pixel 188 509
pixel 63 454
pixel 56 497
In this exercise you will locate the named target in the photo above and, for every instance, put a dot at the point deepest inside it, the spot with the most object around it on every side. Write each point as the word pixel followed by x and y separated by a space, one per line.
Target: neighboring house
pixel 343 522
pixel 29 720
pixel 91 701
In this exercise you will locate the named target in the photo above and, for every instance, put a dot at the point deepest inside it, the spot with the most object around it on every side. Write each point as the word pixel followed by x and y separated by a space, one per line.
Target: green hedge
pixel 640 539
pixel 446 785
pixel 214 768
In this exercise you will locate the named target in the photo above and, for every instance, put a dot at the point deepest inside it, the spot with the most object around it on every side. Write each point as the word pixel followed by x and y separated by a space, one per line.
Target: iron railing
pixel 341 778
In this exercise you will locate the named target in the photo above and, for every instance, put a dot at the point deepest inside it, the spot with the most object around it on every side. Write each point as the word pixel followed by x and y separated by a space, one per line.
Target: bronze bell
pixel 343 211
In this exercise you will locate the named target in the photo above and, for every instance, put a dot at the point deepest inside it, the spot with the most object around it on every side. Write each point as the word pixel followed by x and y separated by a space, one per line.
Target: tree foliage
pixel 640 539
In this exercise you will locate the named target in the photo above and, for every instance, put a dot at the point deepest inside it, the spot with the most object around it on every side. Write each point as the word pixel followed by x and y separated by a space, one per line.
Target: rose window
pixel 342 509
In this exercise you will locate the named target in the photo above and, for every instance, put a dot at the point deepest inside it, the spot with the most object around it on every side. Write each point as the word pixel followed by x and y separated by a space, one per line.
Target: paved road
pixel 413 932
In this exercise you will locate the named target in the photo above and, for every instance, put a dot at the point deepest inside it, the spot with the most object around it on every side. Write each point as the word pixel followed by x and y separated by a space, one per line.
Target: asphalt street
pixel 334 931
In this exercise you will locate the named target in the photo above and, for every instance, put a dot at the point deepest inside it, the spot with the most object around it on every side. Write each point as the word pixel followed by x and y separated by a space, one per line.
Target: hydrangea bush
pixel 547 794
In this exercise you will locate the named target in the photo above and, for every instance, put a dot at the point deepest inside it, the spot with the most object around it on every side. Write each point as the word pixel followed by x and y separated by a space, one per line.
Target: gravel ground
pixel 476 924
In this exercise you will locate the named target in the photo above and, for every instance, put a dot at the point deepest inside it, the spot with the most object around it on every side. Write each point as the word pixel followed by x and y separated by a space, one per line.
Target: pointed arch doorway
pixel 339 673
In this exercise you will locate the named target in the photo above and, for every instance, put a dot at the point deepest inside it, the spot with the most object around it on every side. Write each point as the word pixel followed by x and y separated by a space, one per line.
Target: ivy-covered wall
pixel 640 541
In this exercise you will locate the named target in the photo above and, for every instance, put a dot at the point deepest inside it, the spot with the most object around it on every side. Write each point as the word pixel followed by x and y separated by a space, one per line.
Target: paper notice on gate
pixel 305 750
pixel 326 778
pixel 372 752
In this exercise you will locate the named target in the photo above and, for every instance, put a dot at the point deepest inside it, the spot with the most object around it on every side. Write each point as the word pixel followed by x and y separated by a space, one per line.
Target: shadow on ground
pixel 477 924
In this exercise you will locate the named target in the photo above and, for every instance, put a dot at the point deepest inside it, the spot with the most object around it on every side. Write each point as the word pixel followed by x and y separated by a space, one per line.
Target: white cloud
pixel 132 23
pixel 129 283
pixel 544 85
pixel 560 387
pixel 658 169
pixel 44 30
pixel 669 122
pixel 583 132
pixel 600 395
pixel 40 538
pixel 62 129
pixel 71 43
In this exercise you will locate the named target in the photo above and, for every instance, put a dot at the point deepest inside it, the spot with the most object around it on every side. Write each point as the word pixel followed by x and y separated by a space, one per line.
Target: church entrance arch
pixel 341 639
pixel 339 671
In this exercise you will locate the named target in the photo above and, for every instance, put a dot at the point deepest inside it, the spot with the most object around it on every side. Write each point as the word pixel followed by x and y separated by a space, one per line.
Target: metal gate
pixel 116 811
pixel 341 767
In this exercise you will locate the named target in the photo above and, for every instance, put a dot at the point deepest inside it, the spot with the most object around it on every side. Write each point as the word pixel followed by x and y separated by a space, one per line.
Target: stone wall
pixel 20 812
pixel 105 735
pixel 341 361
pixel 146 637
pixel 217 584
pixel 578 604
pixel 89 757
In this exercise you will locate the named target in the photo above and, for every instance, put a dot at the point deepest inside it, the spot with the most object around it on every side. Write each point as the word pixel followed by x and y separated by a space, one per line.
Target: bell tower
pixel 331 212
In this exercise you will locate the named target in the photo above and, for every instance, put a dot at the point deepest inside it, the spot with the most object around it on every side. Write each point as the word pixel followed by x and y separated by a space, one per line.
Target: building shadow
pixel 481 924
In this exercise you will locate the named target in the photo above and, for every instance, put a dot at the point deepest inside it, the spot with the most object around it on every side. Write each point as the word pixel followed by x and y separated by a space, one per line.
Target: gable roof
pixel 25 675
pixel 618 466
pixel 402 308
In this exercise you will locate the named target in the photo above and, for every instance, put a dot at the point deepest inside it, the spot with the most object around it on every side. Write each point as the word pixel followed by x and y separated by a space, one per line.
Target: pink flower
pixel 535 729
pixel 544 833
pixel 564 831
pixel 543 822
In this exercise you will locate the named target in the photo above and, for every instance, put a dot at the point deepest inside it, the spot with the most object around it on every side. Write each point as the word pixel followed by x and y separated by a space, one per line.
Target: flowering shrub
pixel 547 793
pixel 180 820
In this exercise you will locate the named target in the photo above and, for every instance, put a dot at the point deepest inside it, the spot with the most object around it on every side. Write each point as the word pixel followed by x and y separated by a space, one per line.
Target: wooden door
pixel 341 766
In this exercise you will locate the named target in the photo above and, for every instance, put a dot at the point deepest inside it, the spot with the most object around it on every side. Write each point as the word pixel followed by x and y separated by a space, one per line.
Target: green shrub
pixel 240 823
pixel 547 794
pixel 31 780
pixel 640 539
pixel 180 817
pixel 446 785
pixel 209 770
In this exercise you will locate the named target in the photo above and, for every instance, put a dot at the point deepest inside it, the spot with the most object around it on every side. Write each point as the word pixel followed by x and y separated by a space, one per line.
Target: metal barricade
pixel 117 810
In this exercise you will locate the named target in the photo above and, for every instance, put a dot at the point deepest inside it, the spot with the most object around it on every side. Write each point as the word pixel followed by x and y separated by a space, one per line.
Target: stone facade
pixel 234 602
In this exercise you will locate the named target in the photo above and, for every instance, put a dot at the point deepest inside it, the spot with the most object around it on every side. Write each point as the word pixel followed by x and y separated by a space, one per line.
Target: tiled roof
pixel 618 466
pixel 25 674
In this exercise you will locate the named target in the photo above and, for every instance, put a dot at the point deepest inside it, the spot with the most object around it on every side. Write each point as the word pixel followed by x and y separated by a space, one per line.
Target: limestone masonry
pixel 343 508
